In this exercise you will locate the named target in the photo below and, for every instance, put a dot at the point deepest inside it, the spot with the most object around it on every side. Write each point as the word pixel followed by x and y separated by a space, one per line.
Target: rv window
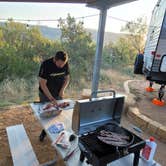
pixel 163 65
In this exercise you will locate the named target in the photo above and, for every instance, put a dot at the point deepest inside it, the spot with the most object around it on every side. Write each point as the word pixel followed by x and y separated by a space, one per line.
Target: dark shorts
pixel 44 98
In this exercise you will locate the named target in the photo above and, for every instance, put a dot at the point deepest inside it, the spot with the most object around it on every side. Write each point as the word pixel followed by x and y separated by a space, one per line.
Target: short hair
pixel 60 55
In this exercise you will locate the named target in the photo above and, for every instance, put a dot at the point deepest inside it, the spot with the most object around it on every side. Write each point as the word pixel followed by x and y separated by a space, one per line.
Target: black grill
pixel 92 116
pixel 98 153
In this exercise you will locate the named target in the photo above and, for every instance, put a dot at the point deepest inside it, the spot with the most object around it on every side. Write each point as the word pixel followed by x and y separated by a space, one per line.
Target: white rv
pixel 154 60
pixel 154 66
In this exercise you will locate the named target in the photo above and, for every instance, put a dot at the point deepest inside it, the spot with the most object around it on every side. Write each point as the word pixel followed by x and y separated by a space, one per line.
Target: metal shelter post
pixel 99 48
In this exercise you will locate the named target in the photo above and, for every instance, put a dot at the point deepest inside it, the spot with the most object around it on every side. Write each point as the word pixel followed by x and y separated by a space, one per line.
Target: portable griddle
pixel 90 116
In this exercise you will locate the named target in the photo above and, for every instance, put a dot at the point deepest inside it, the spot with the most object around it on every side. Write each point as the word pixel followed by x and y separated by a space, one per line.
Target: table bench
pixel 20 147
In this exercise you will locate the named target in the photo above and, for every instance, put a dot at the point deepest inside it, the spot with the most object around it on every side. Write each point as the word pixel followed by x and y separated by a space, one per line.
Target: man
pixel 53 80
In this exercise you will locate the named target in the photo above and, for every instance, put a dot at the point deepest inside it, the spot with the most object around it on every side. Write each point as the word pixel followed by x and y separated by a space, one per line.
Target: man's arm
pixel 43 85
pixel 65 84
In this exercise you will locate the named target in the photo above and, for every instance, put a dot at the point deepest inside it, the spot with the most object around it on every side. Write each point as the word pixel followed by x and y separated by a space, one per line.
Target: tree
pixel 79 45
pixel 22 49
pixel 2 42
pixel 125 49
pixel 136 30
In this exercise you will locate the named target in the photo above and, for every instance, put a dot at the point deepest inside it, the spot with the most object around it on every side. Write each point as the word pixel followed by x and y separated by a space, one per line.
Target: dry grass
pixel 113 80
pixel 17 91
pixel 21 91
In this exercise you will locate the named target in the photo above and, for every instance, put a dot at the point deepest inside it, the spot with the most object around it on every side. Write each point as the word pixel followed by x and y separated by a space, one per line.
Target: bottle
pixel 149 150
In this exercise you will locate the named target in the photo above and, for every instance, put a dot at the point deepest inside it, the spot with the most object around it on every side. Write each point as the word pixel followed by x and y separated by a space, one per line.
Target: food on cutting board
pixel 63 105
pixel 48 106
pixel 49 110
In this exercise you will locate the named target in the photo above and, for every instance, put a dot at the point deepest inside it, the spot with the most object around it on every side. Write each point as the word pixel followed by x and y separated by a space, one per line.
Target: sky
pixel 116 16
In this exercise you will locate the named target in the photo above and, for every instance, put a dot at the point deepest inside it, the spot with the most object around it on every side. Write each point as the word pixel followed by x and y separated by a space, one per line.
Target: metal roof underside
pixel 91 3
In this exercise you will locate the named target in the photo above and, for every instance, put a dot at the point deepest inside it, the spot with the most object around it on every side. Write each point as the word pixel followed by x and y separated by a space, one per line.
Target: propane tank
pixel 149 150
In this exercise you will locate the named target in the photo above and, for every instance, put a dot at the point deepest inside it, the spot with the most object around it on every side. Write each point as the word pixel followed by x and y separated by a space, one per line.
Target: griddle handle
pixel 103 91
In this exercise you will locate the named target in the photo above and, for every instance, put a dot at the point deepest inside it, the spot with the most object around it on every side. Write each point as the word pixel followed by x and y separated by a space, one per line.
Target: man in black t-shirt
pixel 53 78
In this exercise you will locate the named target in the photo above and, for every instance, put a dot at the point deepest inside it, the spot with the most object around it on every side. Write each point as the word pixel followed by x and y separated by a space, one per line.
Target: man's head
pixel 60 59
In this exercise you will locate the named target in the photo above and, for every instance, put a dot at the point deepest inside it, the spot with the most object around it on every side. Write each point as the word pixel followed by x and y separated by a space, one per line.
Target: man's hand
pixel 49 105
pixel 54 102
pixel 61 93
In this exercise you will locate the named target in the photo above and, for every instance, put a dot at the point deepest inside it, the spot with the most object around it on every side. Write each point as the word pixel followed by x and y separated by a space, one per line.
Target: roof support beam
pixel 104 4
pixel 99 48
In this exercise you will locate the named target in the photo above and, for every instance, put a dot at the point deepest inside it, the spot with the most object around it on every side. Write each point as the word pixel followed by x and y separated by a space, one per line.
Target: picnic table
pixel 66 118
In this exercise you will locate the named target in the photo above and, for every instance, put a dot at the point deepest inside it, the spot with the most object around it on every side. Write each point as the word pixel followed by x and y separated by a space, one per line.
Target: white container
pixel 149 150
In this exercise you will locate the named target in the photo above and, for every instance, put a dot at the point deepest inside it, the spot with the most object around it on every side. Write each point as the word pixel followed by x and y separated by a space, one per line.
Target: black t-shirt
pixel 54 76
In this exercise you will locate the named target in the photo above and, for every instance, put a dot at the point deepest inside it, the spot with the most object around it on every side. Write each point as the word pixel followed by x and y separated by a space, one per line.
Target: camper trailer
pixel 155 49
pixel 154 61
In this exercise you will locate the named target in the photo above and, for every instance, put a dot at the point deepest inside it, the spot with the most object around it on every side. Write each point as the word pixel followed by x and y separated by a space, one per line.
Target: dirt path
pixel 156 113
pixel 144 101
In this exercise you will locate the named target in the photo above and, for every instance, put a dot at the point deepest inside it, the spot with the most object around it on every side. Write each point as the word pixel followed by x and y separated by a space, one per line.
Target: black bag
pixel 138 65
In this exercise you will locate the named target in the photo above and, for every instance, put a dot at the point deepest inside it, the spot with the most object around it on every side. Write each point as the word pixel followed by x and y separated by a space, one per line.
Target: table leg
pixel 136 158
pixel 42 135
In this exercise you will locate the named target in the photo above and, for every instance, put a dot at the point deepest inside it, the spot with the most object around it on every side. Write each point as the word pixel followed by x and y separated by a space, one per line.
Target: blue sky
pixel 49 11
